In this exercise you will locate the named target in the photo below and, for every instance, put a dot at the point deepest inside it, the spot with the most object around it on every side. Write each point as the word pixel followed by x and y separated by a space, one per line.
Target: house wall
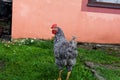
pixel 33 19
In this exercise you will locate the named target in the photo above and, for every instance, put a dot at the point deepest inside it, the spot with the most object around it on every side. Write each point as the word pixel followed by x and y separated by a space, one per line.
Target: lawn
pixel 30 59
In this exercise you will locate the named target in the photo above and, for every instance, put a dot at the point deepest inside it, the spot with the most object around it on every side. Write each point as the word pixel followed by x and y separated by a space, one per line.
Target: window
pixel 104 3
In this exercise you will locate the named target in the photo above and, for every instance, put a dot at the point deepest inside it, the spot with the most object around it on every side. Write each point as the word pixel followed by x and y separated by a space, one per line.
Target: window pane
pixel 104 3
pixel 109 1
pixel 118 1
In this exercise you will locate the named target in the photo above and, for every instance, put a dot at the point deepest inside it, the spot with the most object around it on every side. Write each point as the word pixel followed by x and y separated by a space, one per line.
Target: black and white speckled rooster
pixel 65 51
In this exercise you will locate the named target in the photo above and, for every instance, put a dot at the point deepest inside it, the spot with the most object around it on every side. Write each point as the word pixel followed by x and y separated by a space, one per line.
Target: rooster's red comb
pixel 54 25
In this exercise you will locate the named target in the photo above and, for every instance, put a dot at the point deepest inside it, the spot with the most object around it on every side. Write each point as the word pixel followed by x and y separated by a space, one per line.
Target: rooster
pixel 65 52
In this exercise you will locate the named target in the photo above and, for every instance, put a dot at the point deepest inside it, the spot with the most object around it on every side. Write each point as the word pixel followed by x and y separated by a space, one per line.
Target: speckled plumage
pixel 65 51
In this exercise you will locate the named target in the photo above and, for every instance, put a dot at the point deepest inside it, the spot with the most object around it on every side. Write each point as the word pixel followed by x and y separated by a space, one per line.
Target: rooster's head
pixel 54 29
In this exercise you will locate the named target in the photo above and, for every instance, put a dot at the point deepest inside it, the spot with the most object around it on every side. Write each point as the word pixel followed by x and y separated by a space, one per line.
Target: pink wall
pixel 33 19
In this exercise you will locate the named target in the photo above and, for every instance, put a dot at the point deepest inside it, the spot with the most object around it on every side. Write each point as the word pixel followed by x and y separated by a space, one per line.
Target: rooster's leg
pixel 60 73
pixel 68 75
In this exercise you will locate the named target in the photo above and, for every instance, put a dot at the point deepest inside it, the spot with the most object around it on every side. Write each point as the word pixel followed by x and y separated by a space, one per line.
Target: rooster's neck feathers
pixel 59 36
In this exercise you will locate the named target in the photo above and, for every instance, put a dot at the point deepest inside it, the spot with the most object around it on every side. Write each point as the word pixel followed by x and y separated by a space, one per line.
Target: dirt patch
pixel 109 48
pixel 92 66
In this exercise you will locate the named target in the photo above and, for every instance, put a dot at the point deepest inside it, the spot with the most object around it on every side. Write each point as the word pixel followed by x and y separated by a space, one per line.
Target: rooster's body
pixel 65 52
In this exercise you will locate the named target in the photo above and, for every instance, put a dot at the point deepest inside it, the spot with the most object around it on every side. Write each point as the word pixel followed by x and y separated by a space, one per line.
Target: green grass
pixel 34 60
pixel 109 74
pixel 98 56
